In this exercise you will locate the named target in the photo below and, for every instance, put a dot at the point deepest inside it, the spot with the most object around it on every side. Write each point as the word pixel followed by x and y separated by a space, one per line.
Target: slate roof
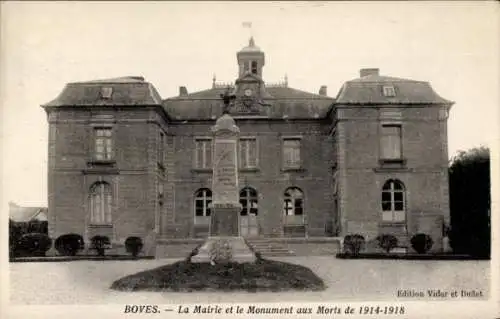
pixel 369 90
pixel 284 102
pixel 26 214
pixel 126 91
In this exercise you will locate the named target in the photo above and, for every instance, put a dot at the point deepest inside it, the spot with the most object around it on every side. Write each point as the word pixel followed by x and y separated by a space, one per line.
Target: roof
pixel 26 214
pixel 284 102
pixel 125 91
pixel 369 90
pixel 251 47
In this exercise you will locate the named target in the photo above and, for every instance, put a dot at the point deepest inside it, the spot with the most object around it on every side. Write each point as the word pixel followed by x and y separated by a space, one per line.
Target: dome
pixel 251 47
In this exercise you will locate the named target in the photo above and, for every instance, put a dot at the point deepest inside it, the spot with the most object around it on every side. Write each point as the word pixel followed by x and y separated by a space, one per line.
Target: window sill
pixel 249 169
pixel 98 162
pixel 385 161
pixel 100 226
pixel 104 169
pixel 293 169
pixel 201 170
pixel 392 165
pixel 392 223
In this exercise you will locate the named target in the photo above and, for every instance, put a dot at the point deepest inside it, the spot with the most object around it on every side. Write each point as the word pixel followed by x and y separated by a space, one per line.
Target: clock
pixel 248 92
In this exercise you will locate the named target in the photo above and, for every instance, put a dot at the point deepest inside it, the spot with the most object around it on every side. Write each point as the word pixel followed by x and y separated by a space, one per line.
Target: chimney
pixel 365 72
pixel 183 91
pixel 322 90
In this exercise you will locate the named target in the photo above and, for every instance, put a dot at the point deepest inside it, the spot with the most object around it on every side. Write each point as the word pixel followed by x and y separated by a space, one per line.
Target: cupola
pixel 250 59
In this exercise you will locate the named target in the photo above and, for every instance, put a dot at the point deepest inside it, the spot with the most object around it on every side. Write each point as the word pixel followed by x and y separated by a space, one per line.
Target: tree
pixel 470 200
pixel 14 235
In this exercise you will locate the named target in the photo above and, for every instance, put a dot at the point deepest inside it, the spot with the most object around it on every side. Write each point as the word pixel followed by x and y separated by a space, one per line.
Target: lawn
pixel 263 275
pixel 88 282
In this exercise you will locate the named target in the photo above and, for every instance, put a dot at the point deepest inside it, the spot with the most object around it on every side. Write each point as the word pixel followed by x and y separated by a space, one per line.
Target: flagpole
pixel 248 25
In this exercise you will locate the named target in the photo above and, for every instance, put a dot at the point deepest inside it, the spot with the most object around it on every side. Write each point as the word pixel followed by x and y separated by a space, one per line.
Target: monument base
pixel 224 250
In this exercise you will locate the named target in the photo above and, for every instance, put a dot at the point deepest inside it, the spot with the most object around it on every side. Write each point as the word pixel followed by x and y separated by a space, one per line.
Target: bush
pixel 133 245
pixel 33 244
pixel 14 236
pixel 353 243
pixel 422 243
pixel 387 242
pixel 69 244
pixel 100 243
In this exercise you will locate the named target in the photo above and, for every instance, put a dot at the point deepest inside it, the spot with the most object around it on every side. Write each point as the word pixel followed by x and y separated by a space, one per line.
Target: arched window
pixel 202 199
pixel 293 203
pixel 100 203
pixel 393 201
pixel 248 201
pixel 254 67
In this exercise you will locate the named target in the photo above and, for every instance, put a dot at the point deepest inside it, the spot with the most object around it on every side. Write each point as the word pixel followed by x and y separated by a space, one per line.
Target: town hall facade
pixel 124 162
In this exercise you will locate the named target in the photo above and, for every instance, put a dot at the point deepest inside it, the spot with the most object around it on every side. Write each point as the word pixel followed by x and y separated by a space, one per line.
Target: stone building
pixel 125 162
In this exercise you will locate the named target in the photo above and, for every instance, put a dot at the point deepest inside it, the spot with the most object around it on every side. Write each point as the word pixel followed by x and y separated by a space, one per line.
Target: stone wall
pixel 361 174
pixel 133 175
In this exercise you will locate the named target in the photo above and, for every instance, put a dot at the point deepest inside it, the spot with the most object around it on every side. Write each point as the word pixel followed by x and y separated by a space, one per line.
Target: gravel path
pixel 87 282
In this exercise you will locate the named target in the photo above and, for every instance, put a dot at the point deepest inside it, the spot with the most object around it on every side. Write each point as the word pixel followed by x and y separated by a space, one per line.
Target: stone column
pixel 225 243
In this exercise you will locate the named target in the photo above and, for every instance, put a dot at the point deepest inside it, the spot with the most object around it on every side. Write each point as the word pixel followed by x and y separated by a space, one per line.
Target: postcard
pixel 253 159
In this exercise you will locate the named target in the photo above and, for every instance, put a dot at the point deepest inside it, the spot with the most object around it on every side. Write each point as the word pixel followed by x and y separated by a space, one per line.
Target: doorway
pixel 249 219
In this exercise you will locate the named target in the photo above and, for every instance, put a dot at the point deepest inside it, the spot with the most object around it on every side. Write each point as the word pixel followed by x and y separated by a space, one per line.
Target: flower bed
pixel 263 275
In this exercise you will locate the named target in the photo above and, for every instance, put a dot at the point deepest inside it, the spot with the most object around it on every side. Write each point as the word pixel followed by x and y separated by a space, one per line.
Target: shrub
pixel 353 243
pixel 69 244
pixel 133 245
pixel 14 236
pixel 387 242
pixel 100 243
pixel 421 243
pixel 34 244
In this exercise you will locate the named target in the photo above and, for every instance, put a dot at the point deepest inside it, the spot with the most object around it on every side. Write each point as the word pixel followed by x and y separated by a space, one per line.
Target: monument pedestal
pixel 234 249
pixel 224 244
pixel 224 221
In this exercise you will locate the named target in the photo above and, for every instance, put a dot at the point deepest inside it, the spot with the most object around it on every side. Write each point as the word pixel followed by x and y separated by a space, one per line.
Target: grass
pixel 184 276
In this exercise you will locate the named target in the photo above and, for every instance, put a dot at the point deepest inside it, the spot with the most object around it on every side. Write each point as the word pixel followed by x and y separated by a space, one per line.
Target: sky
pixel 454 46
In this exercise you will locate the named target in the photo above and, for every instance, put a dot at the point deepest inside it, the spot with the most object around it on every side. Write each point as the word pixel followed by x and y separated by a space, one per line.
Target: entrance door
pixel 249 220
pixel 249 226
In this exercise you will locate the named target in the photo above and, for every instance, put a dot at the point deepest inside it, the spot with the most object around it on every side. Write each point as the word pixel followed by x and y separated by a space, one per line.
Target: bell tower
pixel 250 60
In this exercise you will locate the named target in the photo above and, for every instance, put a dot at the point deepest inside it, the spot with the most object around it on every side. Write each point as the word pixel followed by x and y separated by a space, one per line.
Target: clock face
pixel 248 92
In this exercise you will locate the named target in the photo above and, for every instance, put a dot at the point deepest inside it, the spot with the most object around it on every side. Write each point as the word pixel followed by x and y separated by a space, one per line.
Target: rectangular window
pixel 391 142
pixel 203 153
pixel 248 153
pixel 389 91
pixel 103 144
pixel 291 153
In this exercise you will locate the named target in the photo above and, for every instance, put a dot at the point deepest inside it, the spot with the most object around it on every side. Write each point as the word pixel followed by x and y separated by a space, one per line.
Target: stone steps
pixel 269 248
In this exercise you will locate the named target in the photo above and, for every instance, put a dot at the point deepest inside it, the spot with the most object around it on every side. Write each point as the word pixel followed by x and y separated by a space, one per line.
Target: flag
pixel 247 24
